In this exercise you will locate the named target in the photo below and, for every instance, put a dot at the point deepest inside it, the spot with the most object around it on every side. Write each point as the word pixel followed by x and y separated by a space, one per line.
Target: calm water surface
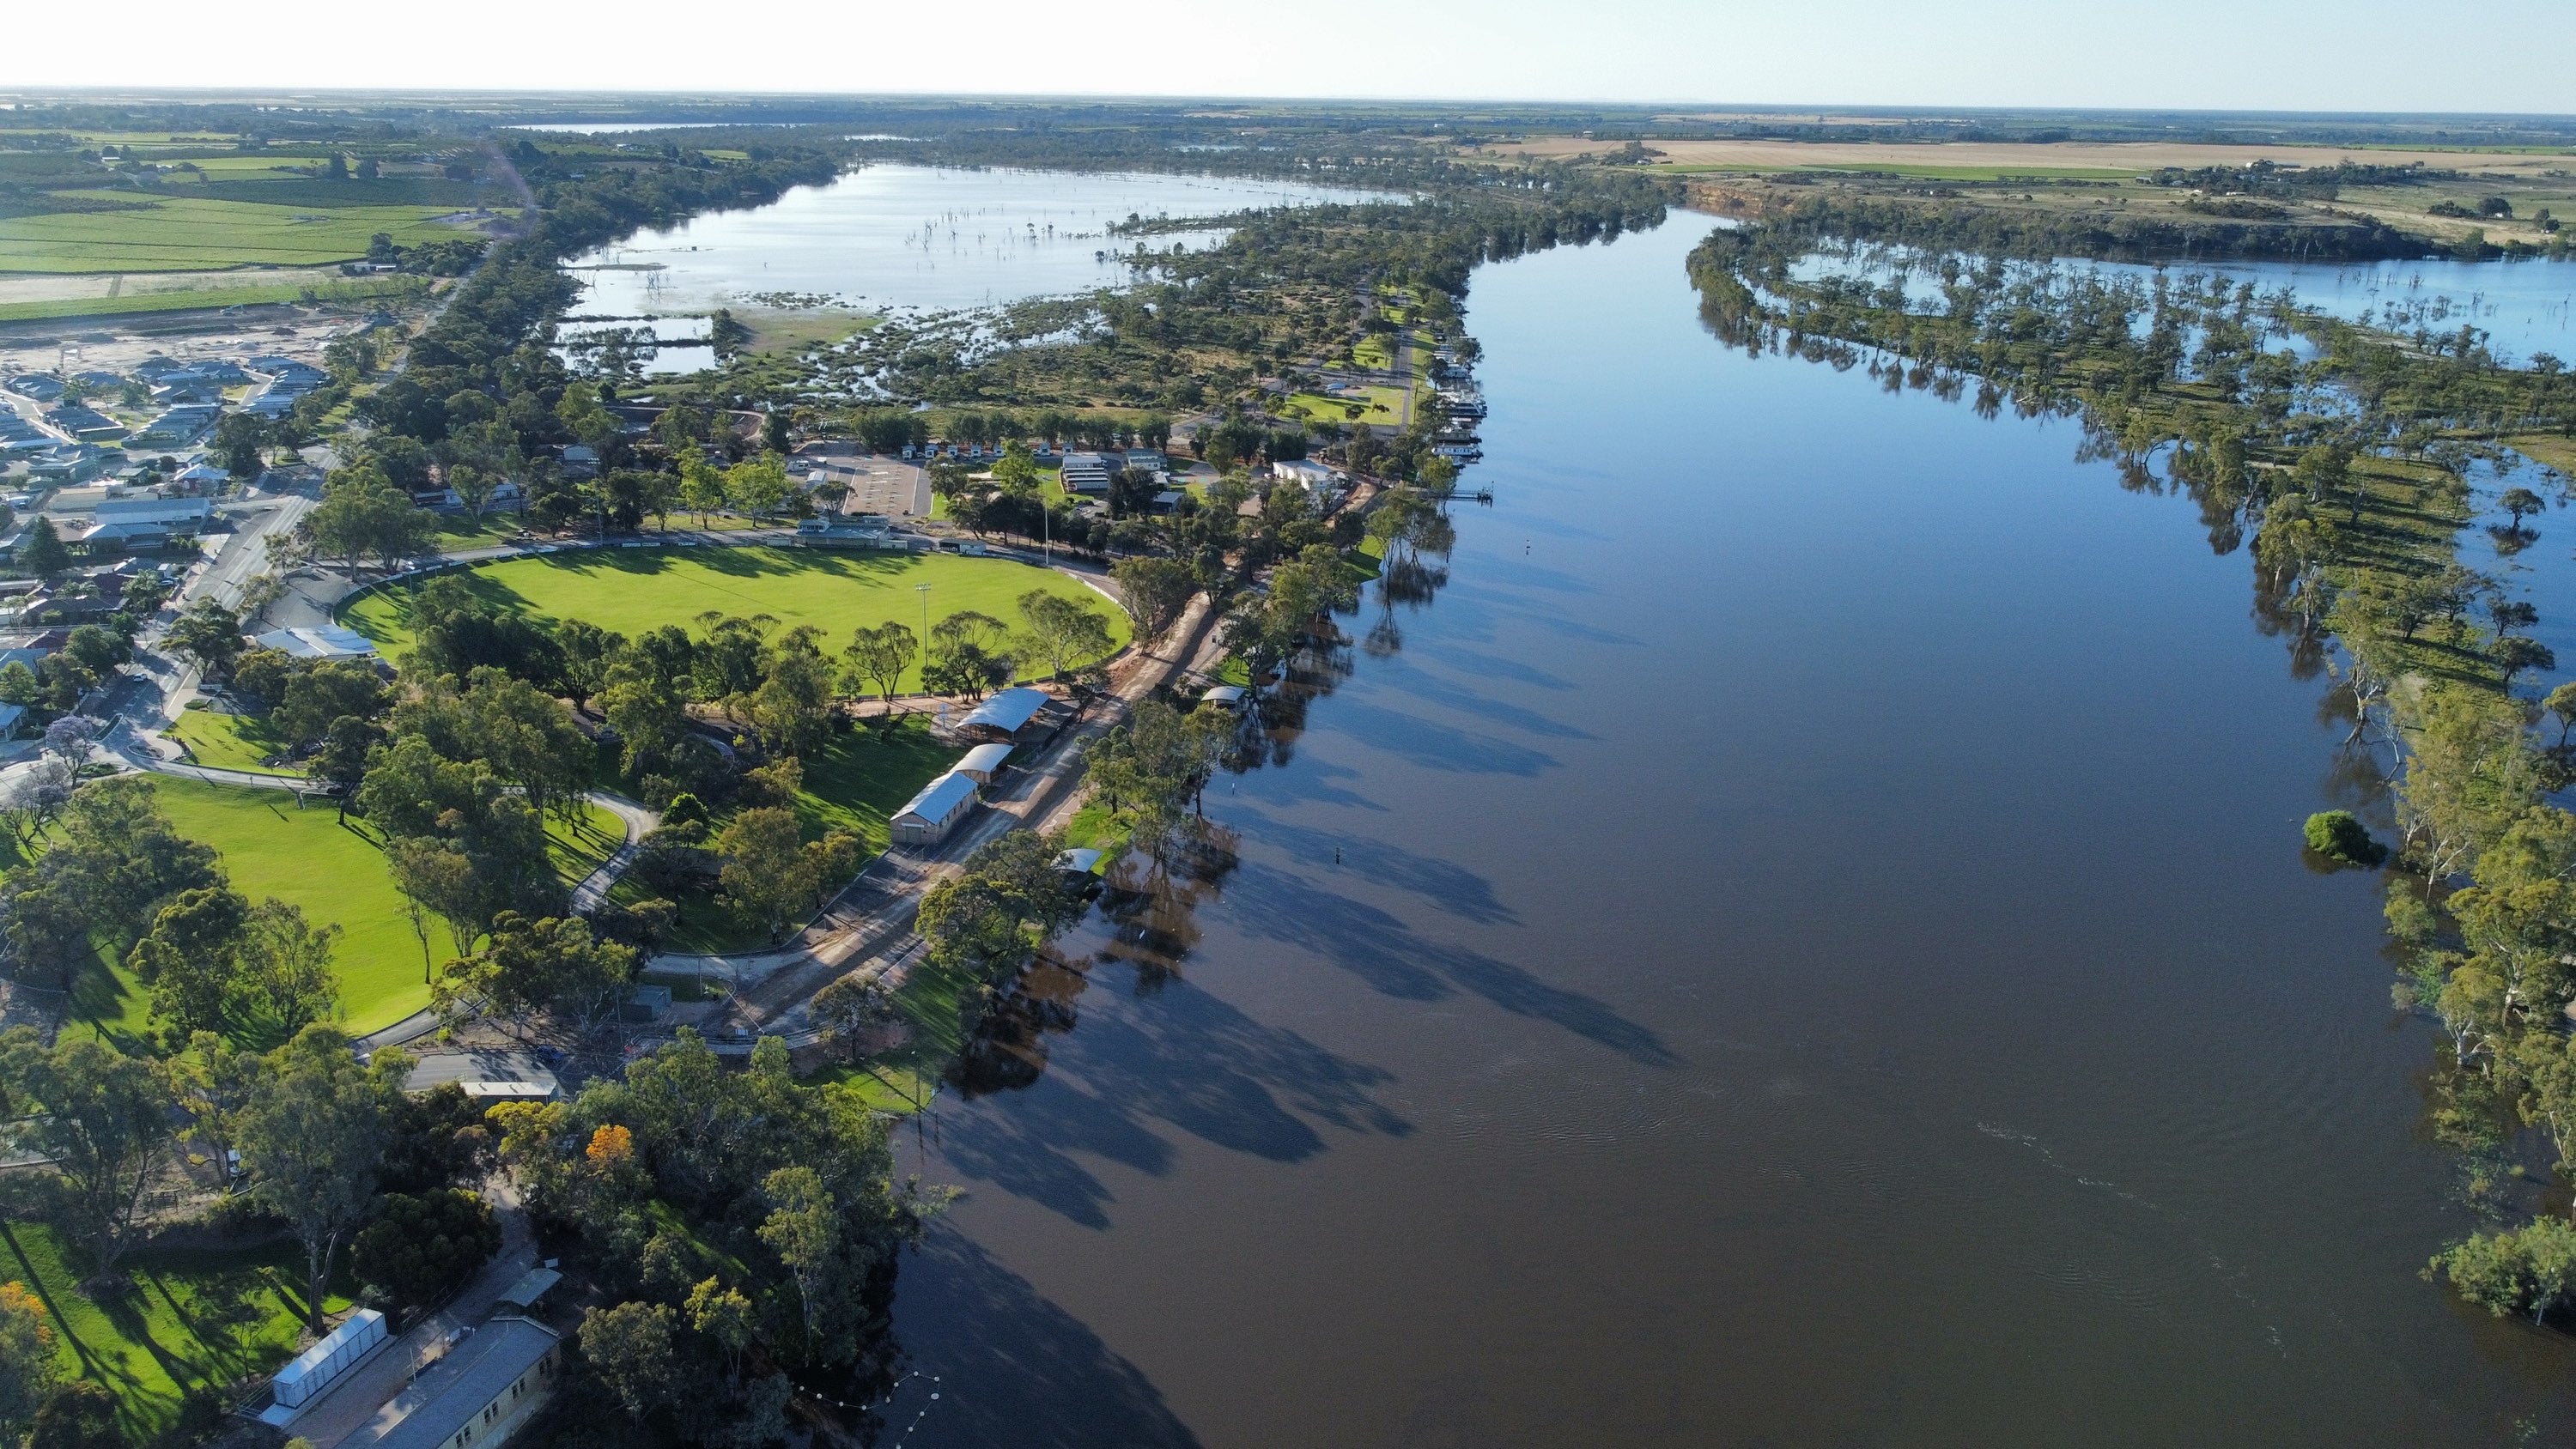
pixel 1819 956
pixel 914 236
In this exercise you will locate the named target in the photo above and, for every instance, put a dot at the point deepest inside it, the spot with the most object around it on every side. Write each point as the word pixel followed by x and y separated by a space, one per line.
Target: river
pixel 1803 941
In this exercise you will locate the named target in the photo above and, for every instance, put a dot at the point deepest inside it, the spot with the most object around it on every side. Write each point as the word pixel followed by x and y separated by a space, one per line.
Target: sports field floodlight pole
pixel 924 591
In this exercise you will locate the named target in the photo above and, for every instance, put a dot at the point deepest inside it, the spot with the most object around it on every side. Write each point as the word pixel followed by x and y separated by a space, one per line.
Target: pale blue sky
pixel 2480 55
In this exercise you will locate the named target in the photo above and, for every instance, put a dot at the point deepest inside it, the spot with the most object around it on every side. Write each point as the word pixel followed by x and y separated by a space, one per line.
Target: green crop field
pixel 360 289
pixel 188 233
pixel 1915 172
pixel 173 1320
pixel 635 590
pixel 336 873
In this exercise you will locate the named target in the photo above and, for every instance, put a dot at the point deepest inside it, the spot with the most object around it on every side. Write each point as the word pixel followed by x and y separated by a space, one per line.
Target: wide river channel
pixel 1802 941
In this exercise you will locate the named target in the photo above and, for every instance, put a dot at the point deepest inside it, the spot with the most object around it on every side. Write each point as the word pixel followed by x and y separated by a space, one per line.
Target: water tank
pixel 317 1367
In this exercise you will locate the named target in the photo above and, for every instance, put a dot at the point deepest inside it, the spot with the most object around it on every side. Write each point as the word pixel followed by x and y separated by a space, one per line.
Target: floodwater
pixel 1802 941
pixel 2524 308
pixel 915 237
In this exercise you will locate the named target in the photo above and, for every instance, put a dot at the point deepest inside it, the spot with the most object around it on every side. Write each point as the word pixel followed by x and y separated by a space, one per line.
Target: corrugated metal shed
pixel 983 762
pixel 934 812
pixel 1007 711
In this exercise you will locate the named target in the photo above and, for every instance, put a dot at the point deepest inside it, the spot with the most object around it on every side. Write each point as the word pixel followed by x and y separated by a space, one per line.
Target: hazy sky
pixel 2458 55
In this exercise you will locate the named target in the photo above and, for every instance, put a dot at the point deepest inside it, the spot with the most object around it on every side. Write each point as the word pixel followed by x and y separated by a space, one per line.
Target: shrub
pixel 421 1248
pixel 2337 836
pixel 77 1416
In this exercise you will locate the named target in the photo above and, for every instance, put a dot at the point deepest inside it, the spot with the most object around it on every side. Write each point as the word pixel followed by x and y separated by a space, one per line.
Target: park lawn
pixel 191 233
pixel 1365 559
pixel 1097 827
pixel 931 1001
pixel 336 873
pixel 1379 405
pixel 635 590
pixel 191 1317
pixel 221 741
pixel 860 779
pixel 459 530
pixel 855 783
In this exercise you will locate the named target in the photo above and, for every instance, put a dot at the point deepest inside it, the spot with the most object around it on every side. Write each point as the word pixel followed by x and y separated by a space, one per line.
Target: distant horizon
pixel 13 93
pixel 2228 56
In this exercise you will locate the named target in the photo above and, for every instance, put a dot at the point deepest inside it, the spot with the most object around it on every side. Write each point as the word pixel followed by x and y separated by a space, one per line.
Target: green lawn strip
pixel 180 233
pixel 211 297
pixel 1380 405
pixel 336 873
pixel 1934 172
pixel 1366 559
pixel 188 1318
pixel 855 783
pixel 902 1080
pixel 1097 827
pixel 222 741
pixel 635 590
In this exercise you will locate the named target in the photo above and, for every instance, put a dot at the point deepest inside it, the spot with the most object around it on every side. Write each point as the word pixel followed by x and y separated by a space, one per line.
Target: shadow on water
pixel 1011 1361
pixel 1390 956
pixel 1441 883
pixel 1192 1061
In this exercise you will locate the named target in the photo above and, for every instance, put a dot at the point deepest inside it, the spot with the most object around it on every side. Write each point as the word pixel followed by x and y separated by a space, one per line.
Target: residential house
pixel 70 463
pixel 179 426
pixel 145 525
pixel 82 423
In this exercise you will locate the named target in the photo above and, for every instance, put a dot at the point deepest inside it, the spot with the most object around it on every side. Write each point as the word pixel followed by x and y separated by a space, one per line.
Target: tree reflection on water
pixel 1146 916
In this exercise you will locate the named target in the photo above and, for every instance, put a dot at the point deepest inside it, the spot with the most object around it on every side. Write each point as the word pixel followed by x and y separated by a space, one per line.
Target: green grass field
pixel 854 783
pixel 336 873
pixel 189 1318
pixel 634 590
pixel 228 741
pixel 133 303
pixel 1382 405
pixel 1914 170
pixel 186 233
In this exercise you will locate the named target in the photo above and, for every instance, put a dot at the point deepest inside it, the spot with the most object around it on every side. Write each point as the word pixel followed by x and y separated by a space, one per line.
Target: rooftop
pixel 1008 710
pixel 986 758
pixel 940 798
pixel 453 1390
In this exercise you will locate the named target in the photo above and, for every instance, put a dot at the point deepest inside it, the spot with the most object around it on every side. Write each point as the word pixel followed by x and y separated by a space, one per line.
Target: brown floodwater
pixel 1818 954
